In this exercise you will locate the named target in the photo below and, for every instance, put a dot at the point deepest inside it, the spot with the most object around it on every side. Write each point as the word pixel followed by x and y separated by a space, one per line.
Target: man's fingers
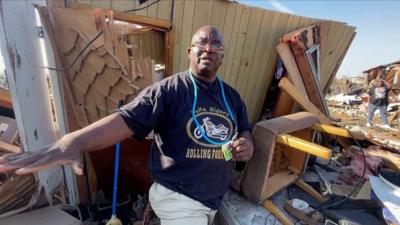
pixel 77 167
pixel 238 142
pixel 11 157
pixel 47 161
pixel 18 161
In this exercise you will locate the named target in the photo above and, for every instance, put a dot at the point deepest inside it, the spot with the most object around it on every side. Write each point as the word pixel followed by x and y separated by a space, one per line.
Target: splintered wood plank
pixel 110 61
pixel 111 75
pixel 248 52
pixel 306 104
pixel 310 81
pixel 227 31
pixel 81 84
pixel 188 14
pixel 102 86
pixel 177 34
pixel 289 61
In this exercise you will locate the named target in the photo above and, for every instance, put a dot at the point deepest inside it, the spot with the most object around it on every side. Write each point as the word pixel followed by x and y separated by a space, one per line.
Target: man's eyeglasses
pixel 216 47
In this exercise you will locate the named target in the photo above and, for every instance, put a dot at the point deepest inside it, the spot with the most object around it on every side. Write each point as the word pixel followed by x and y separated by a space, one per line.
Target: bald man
pixel 200 125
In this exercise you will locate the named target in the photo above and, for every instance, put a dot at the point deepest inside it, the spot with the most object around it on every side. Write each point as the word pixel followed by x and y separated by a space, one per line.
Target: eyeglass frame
pixel 202 46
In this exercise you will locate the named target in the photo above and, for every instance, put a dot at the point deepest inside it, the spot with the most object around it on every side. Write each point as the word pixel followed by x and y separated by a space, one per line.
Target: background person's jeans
pixel 382 110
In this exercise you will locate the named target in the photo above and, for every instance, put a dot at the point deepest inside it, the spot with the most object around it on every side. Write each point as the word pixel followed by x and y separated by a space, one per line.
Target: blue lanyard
pixel 194 109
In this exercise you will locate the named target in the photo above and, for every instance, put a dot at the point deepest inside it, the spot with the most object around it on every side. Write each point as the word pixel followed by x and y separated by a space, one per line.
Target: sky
pixel 377 25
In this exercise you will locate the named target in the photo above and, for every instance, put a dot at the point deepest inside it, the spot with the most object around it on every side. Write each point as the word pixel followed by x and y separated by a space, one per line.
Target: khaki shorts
pixel 177 209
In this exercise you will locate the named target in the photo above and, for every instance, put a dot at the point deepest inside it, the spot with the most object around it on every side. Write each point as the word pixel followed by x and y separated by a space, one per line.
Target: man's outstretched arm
pixel 98 135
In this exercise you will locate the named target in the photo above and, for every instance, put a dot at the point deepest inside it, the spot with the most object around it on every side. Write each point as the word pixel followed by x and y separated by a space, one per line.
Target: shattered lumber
pixel 289 88
pixel 9 148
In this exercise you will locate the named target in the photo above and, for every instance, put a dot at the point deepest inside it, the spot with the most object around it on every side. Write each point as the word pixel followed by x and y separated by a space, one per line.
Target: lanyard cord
pixel 194 109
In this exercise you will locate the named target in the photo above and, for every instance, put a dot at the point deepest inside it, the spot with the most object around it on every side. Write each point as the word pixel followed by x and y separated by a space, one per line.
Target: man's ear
pixel 189 49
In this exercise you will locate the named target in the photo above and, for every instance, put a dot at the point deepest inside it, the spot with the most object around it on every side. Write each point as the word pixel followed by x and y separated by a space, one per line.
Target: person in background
pixel 200 127
pixel 378 99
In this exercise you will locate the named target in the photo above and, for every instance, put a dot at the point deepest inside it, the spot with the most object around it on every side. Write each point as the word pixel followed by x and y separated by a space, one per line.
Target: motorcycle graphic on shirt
pixel 211 130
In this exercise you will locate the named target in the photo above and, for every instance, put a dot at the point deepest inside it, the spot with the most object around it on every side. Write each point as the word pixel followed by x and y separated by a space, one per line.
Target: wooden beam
pixel 311 191
pixel 305 146
pixel 9 148
pixel 294 92
pixel 158 24
pixel 289 61
pixel 5 98
pixel 282 217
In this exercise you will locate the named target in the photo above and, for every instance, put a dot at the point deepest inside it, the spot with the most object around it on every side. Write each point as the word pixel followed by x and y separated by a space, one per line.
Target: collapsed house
pixel 108 51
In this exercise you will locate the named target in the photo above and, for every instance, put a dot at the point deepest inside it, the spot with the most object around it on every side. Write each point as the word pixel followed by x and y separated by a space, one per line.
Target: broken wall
pixel 251 35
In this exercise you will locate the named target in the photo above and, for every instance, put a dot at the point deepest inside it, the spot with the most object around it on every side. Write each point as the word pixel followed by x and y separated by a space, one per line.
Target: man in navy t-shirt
pixel 200 126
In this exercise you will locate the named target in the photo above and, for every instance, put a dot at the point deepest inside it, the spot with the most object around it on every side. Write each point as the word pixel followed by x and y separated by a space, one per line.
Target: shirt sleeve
pixel 143 114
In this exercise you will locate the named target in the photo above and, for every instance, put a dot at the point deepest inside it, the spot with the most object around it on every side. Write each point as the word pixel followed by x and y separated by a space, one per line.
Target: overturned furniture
pixel 276 164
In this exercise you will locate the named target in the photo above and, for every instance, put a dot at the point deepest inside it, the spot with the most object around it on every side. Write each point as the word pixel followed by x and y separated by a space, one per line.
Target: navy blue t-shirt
pixel 200 170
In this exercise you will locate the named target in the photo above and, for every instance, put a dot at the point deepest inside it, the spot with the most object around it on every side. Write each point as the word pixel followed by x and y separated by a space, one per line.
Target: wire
pixel 76 58
pixel 145 7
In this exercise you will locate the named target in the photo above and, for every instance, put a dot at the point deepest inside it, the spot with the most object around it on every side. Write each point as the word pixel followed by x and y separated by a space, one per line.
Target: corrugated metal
pixel 251 35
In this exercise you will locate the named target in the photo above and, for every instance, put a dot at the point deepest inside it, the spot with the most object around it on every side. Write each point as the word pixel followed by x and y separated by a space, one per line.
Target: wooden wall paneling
pixel 335 54
pixel 240 40
pixel 142 12
pixel 255 65
pixel 227 33
pixel 122 5
pixel 85 2
pixel 329 64
pixel 188 16
pixel 333 35
pixel 265 75
pixel 177 33
pixel 250 47
pixel 218 14
pixel 201 15
pixel 164 9
pixel 104 4
pixel 339 62
pixel 152 10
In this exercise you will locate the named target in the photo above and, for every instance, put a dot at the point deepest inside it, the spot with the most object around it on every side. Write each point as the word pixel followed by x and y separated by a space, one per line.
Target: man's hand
pixel 98 135
pixel 243 147
pixel 59 153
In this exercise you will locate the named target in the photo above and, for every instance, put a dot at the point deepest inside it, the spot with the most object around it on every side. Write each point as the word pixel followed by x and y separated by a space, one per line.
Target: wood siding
pixel 251 35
